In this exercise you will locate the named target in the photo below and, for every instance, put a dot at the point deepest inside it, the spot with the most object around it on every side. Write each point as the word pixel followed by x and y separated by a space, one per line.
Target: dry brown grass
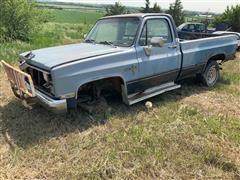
pixel 190 133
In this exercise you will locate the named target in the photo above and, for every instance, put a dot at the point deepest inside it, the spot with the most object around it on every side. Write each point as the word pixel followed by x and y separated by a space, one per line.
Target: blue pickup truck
pixel 194 31
pixel 137 55
pixel 194 27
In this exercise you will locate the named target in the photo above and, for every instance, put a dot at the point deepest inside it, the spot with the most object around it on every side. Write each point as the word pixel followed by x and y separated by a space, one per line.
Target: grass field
pixel 190 133
pixel 65 26
pixel 51 34
pixel 75 16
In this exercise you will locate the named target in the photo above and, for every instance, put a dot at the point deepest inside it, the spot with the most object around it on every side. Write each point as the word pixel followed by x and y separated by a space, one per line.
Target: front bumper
pixel 56 106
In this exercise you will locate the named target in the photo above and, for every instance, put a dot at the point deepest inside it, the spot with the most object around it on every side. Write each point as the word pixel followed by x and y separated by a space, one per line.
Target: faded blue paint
pixel 48 58
pixel 162 59
pixel 103 61
pixel 200 51
pixel 81 72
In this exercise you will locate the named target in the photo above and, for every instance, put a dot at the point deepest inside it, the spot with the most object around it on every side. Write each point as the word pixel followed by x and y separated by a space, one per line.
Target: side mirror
pixel 157 42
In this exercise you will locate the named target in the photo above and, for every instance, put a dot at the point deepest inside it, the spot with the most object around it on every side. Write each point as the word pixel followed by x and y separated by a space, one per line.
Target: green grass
pixel 65 26
pixel 75 16
pixel 51 34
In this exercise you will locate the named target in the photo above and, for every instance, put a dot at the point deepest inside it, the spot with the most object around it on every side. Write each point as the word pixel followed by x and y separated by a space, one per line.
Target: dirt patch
pixel 5 90
pixel 213 102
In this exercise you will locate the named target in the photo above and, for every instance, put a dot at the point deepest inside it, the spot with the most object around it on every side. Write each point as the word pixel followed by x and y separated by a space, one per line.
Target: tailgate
pixel 19 80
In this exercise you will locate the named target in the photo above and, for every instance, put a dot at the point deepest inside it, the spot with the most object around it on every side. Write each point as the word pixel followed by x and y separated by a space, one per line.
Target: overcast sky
pixel 217 6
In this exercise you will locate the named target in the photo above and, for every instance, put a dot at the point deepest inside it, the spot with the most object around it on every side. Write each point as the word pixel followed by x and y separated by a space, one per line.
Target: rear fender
pixel 217 57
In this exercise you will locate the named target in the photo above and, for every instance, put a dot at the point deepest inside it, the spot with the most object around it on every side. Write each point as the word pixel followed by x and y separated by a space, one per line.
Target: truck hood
pixel 49 58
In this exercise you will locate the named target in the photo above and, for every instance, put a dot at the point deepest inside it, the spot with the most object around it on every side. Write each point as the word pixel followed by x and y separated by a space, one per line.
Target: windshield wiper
pixel 89 40
pixel 106 42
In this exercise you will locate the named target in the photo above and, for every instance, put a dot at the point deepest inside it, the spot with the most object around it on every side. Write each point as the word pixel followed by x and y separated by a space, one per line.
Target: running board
pixel 137 97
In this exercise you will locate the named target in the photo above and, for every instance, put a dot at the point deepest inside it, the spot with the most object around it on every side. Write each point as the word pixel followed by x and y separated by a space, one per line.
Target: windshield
pixel 115 31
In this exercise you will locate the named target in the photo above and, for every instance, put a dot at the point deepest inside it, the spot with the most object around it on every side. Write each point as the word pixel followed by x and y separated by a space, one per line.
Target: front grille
pixel 38 80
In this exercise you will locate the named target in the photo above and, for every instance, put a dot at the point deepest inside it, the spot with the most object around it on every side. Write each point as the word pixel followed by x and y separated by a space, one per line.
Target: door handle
pixel 173 46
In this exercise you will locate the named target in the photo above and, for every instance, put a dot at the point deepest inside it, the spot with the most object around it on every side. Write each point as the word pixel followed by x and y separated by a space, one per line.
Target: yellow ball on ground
pixel 148 105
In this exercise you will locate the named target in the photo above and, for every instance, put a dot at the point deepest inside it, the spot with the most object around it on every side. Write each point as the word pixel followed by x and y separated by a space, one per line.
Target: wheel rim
pixel 212 75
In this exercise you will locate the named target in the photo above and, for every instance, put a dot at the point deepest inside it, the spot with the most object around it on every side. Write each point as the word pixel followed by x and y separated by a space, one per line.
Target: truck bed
pixel 193 35
pixel 195 53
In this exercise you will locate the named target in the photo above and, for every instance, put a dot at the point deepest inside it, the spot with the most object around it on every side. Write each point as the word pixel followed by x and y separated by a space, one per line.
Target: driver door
pixel 163 63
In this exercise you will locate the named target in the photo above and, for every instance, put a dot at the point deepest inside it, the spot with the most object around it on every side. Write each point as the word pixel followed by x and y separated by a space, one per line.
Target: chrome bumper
pixel 56 106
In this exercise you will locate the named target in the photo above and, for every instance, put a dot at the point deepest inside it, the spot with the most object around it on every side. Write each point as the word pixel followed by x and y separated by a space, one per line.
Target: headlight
pixel 22 64
pixel 48 80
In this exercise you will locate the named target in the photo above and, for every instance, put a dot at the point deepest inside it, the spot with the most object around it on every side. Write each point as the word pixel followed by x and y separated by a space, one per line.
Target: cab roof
pixel 138 15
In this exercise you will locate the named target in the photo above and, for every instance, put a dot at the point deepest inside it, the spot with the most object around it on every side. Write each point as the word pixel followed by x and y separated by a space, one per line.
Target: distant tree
pixel 147 9
pixel 176 10
pixel 19 19
pixel 116 9
pixel 231 17
pixel 156 8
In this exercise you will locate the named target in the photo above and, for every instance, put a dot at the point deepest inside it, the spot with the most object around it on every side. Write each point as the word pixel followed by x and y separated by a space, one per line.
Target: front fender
pixel 100 78
pixel 68 78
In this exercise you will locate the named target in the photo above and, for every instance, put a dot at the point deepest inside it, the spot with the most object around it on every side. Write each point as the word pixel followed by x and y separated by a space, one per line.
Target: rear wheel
pixel 211 74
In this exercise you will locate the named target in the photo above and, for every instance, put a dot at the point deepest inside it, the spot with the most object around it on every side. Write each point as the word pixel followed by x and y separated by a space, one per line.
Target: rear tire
pixel 211 74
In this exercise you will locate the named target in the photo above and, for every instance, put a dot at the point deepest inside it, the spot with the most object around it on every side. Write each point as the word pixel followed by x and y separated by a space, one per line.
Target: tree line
pixel 175 9
pixel 231 16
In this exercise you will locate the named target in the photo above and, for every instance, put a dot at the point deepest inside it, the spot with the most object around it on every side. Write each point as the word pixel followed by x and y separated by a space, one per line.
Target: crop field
pixel 190 133
pixel 75 16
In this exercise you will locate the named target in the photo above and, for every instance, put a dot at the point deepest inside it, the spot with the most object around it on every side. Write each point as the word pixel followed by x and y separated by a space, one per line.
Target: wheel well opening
pixel 217 57
pixel 104 87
